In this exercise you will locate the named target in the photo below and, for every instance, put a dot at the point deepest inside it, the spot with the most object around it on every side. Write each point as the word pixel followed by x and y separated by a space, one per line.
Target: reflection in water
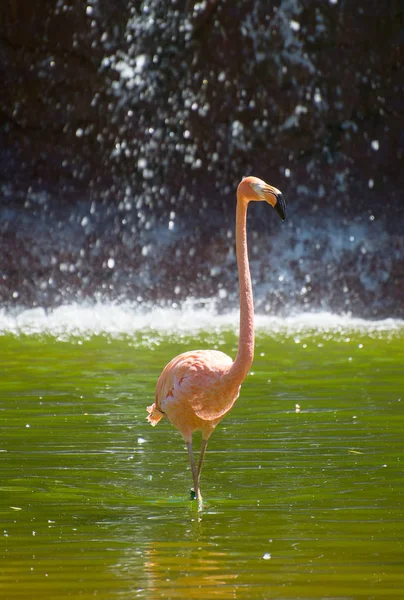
pixel 188 570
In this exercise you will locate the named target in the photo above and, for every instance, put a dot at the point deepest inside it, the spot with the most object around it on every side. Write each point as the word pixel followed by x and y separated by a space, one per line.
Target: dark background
pixel 125 128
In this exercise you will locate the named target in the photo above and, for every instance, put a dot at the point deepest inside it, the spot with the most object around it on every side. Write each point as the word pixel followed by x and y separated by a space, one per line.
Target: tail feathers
pixel 154 415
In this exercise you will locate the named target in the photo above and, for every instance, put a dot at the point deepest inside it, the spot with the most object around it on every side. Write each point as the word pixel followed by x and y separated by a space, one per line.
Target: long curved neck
pixel 245 354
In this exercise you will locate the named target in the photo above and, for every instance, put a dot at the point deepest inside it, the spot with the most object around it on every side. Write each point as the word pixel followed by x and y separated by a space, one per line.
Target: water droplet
pixel 317 96
pixel 236 128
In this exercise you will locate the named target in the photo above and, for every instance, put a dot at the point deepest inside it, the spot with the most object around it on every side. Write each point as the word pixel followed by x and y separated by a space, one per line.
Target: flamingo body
pixel 192 392
pixel 197 389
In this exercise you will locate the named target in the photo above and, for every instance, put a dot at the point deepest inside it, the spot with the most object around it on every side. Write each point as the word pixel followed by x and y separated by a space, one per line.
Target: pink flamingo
pixel 197 389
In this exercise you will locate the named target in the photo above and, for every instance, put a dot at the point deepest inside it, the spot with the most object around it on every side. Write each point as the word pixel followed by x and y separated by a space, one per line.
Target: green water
pixel 95 502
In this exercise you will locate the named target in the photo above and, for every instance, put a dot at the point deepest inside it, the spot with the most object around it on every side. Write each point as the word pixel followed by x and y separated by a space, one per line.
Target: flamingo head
pixel 253 188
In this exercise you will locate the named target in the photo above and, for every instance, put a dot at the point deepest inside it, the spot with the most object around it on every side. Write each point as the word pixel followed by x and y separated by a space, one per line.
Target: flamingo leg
pixel 201 457
pixel 194 471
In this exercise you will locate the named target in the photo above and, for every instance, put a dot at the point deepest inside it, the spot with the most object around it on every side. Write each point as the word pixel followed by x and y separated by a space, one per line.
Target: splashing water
pixel 188 319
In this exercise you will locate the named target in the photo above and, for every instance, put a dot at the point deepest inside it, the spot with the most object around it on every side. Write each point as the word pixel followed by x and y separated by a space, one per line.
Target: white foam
pixel 190 318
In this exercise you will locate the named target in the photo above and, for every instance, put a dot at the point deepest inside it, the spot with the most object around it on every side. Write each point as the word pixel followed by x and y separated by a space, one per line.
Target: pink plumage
pixel 192 392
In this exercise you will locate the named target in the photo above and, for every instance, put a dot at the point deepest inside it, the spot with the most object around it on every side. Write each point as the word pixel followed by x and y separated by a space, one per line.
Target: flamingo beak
pixel 275 198
pixel 280 206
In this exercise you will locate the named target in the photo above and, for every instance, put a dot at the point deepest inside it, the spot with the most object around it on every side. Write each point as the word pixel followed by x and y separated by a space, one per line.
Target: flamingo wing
pixel 197 378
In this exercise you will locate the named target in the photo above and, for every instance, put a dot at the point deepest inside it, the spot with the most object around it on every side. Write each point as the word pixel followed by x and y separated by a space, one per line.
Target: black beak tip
pixel 280 206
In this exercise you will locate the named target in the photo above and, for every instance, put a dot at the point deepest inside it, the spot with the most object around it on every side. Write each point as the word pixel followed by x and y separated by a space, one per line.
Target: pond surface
pixel 303 481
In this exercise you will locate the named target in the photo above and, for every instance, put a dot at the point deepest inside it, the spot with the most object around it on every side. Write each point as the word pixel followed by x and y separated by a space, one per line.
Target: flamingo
pixel 197 389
